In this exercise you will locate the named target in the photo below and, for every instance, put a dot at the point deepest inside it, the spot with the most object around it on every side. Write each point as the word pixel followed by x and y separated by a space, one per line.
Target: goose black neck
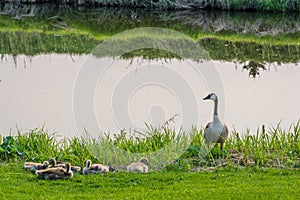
pixel 88 163
pixel 68 168
pixel 216 107
pixel 53 162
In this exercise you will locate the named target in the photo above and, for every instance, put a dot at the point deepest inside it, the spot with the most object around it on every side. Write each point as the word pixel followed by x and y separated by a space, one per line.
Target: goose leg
pixel 221 146
pixel 222 149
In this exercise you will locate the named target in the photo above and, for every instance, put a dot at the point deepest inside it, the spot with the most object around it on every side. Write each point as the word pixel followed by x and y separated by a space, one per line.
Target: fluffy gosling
pixel 33 166
pixel 141 166
pixel 54 164
pixel 94 168
pixel 56 173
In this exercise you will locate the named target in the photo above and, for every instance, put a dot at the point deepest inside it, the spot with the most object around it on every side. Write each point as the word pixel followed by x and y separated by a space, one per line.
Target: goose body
pixel 95 168
pixel 215 131
pixel 56 173
pixel 141 166
pixel 33 166
pixel 54 164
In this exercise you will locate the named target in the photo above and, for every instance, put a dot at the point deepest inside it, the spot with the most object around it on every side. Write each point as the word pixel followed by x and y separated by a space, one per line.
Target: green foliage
pixel 75 150
pixel 37 144
pixel 268 148
pixel 275 147
pixel 9 149
pixel 152 140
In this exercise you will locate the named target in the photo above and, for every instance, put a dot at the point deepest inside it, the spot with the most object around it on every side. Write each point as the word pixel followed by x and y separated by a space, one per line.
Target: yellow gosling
pixel 141 166
pixel 94 168
pixel 56 173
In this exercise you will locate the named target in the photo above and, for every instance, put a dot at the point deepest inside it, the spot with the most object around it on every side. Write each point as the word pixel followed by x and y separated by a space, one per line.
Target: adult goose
pixel 94 168
pixel 141 166
pixel 54 164
pixel 215 131
pixel 56 173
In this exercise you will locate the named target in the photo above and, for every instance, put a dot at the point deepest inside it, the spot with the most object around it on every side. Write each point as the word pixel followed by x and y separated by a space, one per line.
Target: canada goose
pixel 94 168
pixel 140 166
pixel 56 173
pixel 53 164
pixel 33 166
pixel 215 131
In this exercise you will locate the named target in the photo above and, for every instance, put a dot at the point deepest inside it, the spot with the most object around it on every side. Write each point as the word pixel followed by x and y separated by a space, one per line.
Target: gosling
pixel 141 166
pixel 53 164
pixel 33 166
pixel 95 168
pixel 56 173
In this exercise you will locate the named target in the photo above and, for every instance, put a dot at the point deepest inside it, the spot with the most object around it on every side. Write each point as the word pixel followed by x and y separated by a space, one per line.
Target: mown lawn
pixel 249 183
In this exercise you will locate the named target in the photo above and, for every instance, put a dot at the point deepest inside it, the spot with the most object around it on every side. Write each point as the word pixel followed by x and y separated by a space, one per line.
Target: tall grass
pixel 274 147
pixel 38 144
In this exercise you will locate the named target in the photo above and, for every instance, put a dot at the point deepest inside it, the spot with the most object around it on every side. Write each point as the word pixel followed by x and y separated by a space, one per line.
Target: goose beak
pixel 207 97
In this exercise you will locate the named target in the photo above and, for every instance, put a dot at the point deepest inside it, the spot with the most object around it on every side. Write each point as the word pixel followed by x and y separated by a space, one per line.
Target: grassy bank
pixel 274 147
pixel 261 164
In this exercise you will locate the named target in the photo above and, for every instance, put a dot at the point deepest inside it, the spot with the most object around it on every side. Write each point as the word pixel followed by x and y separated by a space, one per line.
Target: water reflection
pixel 42 94
pixel 254 68
pixel 100 22
pixel 212 21
pixel 38 88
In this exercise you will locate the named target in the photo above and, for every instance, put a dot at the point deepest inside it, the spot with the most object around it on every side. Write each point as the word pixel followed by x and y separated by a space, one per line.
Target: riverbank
pixel 271 148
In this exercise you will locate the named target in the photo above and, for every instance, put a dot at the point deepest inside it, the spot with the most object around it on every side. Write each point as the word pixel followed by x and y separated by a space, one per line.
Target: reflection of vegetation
pixel 254 68
pixel 258 5
pixel 29 43
pixel 15 43
pixel 33 43
pixel 99 22
pixel 151 43
pixel 244 51
pixel 225 36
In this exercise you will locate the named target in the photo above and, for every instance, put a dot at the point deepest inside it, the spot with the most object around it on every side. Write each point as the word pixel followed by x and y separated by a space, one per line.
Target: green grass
pixel 255 165
pixel 249 183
